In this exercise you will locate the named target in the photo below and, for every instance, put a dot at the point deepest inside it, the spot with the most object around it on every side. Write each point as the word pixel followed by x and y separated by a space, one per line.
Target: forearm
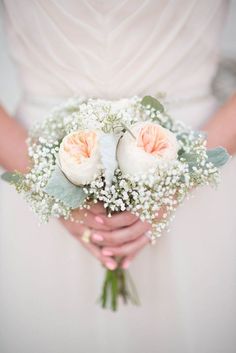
pixel 221 128
pixel 13 148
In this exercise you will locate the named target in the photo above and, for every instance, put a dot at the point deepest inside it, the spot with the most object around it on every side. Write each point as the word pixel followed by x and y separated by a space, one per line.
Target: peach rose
pixel 79 156
pixel 152 145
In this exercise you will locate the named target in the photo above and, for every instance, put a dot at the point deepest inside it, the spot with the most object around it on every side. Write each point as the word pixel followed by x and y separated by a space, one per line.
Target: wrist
pixel 13 146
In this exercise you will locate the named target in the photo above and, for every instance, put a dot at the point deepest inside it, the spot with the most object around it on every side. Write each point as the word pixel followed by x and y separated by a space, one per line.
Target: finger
pixel 108 262
pixel 97 208
pixel 70 226
pixel 88 219
pixel 118 220
pixel 127 248
pixel 77 230
pixel 126 261
pixel 120 236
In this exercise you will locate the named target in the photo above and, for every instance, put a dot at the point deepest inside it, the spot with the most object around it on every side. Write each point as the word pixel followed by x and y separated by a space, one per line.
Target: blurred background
pixel 223 86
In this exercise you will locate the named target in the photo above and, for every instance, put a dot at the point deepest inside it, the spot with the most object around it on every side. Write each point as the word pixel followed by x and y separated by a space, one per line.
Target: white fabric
pixel 49 283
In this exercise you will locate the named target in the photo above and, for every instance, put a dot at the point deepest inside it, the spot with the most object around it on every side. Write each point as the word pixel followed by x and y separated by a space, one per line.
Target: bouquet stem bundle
pixel 118 284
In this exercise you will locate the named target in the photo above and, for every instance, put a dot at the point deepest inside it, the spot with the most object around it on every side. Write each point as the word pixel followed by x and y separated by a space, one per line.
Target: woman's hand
pixel 77 229
pixel 126 237
pixel 120 235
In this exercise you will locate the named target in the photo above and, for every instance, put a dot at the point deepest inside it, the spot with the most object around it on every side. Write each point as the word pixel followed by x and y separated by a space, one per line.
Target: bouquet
pixel 128 154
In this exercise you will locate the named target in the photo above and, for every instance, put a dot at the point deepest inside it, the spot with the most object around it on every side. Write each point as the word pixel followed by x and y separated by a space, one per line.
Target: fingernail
pixel 126 264
pixel 107 252
pixel 99 220
pixel 110 265
pixel 97 237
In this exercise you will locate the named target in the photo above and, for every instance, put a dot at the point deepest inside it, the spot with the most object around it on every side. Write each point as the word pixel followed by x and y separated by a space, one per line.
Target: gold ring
pixel 86 236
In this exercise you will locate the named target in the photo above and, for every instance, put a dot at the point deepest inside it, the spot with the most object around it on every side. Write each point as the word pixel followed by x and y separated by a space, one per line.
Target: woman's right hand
pixel 85 220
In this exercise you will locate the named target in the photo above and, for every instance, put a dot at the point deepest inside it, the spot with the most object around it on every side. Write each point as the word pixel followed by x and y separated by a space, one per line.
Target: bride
pixel 49 277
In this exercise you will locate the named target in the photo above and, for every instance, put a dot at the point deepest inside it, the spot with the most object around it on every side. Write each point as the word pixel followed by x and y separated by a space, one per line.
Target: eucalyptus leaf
pixel 108 144
pixel 153 102
pixel 12 177
pixel 61 188
pixel 189 158
pixel 218 156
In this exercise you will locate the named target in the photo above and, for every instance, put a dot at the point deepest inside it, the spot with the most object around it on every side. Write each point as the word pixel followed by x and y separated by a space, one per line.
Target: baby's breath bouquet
pixel 128 154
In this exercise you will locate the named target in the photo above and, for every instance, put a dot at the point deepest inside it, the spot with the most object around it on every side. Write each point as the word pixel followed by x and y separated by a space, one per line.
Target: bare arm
pixel 13 148
pixel 221 128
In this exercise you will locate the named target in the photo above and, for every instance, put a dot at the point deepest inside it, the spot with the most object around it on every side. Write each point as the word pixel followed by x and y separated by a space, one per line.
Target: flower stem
pixel 118 284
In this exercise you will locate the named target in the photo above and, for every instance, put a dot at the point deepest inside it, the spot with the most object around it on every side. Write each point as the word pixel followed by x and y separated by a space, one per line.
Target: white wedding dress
pixel 187 282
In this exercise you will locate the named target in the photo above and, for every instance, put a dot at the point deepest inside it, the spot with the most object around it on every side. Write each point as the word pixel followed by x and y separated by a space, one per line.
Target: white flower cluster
pixel 153 195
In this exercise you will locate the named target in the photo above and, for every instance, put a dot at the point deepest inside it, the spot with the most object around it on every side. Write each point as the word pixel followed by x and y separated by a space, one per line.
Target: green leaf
pixel 153 102
pixel 189 158
pixel 61 188
pixel 218 156
pixel 12 177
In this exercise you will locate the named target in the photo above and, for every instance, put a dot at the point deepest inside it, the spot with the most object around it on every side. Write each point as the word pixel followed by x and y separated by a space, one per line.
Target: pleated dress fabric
pixel 186 282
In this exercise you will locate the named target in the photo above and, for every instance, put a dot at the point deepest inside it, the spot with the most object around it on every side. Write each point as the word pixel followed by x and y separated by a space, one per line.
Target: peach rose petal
pixel 153 140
